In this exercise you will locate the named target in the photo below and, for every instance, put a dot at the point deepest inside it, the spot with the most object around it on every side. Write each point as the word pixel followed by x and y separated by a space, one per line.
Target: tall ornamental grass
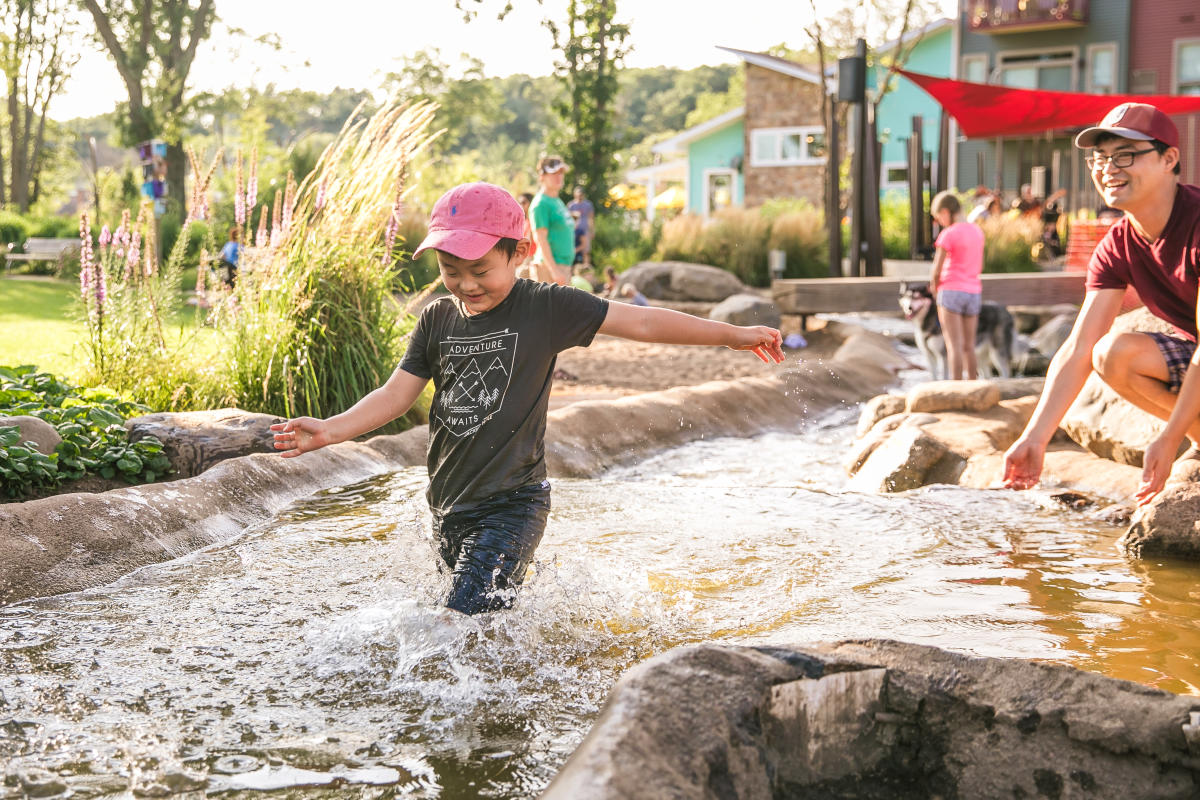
pixel 1009 243
pixel 313 322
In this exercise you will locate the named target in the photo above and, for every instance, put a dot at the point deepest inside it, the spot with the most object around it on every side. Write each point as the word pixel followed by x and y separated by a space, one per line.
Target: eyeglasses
pixel 1120 159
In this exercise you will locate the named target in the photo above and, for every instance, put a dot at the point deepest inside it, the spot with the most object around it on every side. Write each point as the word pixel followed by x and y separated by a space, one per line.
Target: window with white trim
pixel 974 68
pixel 1187 66
pixel 1053 70
pixel 1102 68
pixel 777 147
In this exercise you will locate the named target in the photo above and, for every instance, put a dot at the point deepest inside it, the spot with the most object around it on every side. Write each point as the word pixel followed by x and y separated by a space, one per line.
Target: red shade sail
pixel 985 110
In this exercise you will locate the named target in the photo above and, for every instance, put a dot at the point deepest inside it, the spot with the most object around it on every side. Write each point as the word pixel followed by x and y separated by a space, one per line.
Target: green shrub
pixel 412 276
pixel 621 240
pixel 54 227
pixel 682 239
pixel 1009 243
pixel 198 230
pixel 14 229
pixel 802 236
pixel 90 422
pixel 894 217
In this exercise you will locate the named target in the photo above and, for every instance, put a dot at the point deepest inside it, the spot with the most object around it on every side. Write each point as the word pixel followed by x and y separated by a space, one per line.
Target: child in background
pixel 490 348
pixel 231 253
pixel 957 265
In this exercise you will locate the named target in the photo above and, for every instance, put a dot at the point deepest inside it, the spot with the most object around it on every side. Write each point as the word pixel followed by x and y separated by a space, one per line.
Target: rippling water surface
pixel 310 657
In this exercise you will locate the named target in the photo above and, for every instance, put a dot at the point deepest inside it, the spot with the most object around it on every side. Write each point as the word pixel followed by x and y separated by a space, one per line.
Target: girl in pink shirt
pixel 955 283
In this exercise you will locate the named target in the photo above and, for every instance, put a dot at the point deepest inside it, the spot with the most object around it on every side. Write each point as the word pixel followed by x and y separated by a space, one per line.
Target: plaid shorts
pixel 1178 353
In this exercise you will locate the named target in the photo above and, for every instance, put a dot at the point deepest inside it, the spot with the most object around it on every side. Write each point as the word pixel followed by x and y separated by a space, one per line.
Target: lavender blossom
pixel 239 200
pixel 261 239
pixel 131 258
pixel 105 237
pixel 252 186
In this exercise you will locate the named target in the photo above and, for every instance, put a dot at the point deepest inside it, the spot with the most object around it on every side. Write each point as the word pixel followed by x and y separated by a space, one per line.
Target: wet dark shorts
pixel 1178 353
pixel 488 548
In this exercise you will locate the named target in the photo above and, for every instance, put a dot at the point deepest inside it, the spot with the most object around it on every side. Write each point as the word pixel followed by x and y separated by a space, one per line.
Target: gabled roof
pixel 776 64
pixel 676 142
pixel 927 30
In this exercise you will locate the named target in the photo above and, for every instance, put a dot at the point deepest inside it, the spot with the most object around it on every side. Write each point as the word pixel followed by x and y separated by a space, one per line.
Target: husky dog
pixel 994 335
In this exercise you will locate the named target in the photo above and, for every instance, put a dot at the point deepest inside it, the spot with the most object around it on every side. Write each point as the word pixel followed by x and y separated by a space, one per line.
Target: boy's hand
pixel 1023 465
pixel 764 342
pixel 300 435
pixel 1156 466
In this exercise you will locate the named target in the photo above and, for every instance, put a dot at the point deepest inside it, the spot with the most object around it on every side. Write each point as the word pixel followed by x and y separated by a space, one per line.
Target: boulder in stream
pixel 193 441
pixel 879 719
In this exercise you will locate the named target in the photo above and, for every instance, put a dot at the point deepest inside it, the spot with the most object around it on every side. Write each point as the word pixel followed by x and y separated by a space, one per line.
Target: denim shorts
pixel 965 303
pixel 489 546
pixel 1178 354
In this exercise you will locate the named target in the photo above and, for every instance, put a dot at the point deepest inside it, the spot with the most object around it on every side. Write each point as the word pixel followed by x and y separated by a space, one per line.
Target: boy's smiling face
pixel 483 283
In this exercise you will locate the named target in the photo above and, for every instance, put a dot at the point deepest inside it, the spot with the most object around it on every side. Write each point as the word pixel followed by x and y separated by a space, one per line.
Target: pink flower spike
pixel 105 237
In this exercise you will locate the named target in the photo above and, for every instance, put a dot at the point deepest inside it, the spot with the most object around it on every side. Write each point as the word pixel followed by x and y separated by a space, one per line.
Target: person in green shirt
pixel 553 225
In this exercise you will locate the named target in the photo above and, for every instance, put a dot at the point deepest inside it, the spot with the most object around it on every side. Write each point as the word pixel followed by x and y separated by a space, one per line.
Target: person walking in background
pixel 490 349
pixel 585 226
pixel 553 227
pixel 955 283
pixel 525 268
pixel 1134 158
pixel 231 253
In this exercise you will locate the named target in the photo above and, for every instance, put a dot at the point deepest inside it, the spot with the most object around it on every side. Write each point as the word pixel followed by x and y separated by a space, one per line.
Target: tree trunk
pixel 176 181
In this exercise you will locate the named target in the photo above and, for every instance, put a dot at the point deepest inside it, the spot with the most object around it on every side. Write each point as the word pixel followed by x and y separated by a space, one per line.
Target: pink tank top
pixel 963 243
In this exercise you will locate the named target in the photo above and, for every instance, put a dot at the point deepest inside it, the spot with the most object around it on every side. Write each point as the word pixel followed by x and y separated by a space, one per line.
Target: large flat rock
pixel 879 720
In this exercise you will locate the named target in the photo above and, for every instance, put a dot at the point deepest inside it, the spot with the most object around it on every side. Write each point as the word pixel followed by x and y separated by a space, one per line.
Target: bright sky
pixel 351 43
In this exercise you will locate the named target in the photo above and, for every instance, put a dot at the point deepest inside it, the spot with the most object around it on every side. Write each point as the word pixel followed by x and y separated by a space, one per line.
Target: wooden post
pixel 833 198
pixel 943 159
pixel 999 187
pixel 873 238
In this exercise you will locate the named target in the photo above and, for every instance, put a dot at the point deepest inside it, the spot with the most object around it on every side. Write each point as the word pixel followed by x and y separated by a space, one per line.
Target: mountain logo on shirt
pixel 476 372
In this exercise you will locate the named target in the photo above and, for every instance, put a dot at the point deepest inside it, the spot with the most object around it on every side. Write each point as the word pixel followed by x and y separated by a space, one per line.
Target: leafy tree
pixel 469 107
pixel 153 44
pixel 592 46
pixel 37 54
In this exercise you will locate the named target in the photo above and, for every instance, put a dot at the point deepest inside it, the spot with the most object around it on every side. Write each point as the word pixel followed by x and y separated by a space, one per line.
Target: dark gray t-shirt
pixel 491 375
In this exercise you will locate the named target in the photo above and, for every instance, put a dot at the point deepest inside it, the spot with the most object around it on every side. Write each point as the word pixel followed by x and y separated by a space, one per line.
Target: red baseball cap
pixel 1139 121
pixel 468 220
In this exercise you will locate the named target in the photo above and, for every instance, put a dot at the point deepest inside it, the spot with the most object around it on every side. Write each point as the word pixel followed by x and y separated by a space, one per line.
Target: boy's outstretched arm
pixel 304 434
pixel 662 325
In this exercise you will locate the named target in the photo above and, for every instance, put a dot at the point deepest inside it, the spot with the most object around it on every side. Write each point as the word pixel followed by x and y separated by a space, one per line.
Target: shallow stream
pixel 310 656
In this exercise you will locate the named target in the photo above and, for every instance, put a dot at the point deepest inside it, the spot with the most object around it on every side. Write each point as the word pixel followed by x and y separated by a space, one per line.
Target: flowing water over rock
pixel 310 655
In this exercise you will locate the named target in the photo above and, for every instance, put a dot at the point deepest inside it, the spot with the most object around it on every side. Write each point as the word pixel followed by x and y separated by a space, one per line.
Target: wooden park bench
pixel 56 250
pixel 848 295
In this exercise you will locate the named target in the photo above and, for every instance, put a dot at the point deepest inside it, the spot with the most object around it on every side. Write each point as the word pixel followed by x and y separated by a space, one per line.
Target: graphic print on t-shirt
pixel 477 371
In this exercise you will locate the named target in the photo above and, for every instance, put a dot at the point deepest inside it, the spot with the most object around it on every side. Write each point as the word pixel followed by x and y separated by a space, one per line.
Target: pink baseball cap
pixel 1139 121
pixel 468 220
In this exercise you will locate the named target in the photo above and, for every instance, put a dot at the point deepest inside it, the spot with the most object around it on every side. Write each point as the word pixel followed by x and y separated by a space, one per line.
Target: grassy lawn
pixel 40 324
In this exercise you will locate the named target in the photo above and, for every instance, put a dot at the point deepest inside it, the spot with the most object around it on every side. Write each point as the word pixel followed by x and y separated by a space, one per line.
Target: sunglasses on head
pixel 552 166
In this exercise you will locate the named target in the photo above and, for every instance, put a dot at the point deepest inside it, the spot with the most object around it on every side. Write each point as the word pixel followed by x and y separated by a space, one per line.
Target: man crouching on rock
pixel 1155 248
pixel 490 348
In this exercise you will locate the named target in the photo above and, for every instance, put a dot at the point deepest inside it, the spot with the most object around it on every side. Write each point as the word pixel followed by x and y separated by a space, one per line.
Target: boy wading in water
pixel 490 349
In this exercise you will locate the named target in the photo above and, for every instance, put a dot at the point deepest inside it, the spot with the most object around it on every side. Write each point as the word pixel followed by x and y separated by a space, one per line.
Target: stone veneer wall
pixel 775 100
